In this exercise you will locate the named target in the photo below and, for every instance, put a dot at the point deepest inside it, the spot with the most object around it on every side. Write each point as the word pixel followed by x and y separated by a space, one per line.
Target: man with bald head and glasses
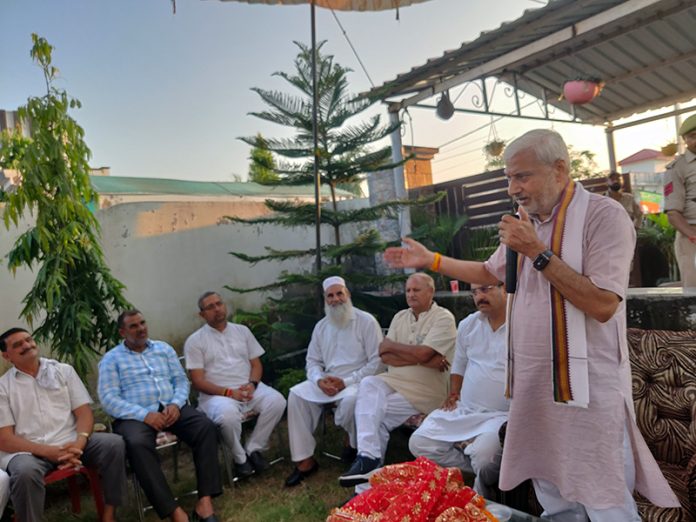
pixel 476 406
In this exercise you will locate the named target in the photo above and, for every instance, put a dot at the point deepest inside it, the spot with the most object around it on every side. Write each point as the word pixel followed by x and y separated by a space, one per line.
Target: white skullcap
pixel 333 280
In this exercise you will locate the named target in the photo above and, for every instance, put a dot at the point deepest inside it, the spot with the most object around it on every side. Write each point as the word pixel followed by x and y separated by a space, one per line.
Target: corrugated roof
pixel 644 50
pixel 158 186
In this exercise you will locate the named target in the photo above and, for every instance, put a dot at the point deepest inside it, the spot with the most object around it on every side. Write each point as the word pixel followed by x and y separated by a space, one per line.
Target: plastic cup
pixel 454 286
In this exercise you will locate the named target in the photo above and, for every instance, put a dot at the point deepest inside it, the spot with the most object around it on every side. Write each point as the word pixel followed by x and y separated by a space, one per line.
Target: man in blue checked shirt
pixel 143 386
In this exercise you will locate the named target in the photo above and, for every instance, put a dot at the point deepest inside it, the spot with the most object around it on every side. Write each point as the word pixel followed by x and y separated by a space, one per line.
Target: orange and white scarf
pixel 568 333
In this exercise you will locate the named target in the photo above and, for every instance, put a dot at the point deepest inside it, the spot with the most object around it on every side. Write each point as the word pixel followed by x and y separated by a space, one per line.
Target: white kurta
pixel 351 353
pixel 480 358
pixel 223 355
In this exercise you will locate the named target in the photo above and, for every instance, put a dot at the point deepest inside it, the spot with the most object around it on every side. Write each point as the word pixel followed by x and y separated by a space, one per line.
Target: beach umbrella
pixel 338 5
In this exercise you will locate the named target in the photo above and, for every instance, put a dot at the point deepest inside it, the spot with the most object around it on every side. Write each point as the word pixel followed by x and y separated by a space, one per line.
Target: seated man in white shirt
pixel 46 423
pixel 343 350
pixel 476 406
pixel 418 346
pixel 224 362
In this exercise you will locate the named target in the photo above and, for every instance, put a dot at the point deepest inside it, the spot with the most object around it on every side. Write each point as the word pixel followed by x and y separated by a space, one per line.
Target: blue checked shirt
pixel 133 384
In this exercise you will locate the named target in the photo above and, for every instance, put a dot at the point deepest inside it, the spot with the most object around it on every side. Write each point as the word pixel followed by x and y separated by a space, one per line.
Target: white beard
pixel 339 315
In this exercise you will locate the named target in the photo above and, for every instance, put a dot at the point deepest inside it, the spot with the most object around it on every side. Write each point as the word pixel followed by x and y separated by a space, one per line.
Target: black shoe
pixel 243 471
pixel 360 472
pixel 195 517
pixel 298 475
pixel 348 454
pixel 257 461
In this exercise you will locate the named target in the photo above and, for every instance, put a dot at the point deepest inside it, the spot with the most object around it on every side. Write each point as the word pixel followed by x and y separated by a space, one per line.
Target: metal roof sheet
pixel 644 51
pixel 151 186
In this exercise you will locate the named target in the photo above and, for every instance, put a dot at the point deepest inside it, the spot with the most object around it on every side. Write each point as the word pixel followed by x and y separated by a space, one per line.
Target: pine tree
pixel 346 155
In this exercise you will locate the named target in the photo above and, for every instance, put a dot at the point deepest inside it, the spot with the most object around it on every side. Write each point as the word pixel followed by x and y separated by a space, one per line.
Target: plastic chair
pixel 70 475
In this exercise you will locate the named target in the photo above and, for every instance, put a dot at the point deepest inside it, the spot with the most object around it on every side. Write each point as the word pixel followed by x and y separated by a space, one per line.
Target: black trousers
pixel 194 429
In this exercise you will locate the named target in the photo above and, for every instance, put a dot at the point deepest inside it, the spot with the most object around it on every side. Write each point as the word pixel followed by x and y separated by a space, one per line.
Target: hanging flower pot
pixel 578 92
pixel 494 148
pixel 669 150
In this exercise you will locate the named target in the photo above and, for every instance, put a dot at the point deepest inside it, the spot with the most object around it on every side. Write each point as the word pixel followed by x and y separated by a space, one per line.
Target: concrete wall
pixel 168 253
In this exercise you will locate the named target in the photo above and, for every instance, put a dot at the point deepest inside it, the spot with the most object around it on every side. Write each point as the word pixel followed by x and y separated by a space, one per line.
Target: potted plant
pixel 494 148
pixel 581 90
pixel 669 150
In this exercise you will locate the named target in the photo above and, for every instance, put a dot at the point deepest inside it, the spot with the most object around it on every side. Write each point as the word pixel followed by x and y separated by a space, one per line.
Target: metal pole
pixel 610 147
pixel 399 185
pixel 315 136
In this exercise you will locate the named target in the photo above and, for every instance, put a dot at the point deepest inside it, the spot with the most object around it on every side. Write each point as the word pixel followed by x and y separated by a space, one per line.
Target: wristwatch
pixel 542 260
pixel 255 383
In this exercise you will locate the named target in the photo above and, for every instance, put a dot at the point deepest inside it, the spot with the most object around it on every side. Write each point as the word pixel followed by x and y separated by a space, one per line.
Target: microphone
pixel 511 268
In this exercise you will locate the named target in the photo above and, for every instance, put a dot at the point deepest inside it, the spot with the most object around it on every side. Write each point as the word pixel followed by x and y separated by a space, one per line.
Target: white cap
pixel 333 280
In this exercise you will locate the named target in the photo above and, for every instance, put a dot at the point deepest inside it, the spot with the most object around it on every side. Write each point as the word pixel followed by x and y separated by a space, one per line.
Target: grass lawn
pixel 258 499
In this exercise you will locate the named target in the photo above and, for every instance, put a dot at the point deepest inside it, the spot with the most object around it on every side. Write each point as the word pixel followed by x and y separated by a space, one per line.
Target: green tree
pixel 74 293
pixel 344 141
pixel 262 166
pixel 346 152
pixel 582 164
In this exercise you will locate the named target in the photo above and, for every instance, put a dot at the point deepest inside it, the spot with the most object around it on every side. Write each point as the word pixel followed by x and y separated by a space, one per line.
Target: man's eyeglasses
pixel 484 289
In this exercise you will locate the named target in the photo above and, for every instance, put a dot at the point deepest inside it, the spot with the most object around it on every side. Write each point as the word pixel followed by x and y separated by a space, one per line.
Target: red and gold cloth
pixel 417 491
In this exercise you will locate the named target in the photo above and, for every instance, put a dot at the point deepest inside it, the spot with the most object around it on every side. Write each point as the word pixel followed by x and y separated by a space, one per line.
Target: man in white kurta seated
pixel 476 406
pixel 223 360
pixel 418 346
pixel 343 350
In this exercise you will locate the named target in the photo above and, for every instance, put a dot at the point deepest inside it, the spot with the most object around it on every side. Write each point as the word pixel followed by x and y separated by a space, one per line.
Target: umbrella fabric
pixel 340 5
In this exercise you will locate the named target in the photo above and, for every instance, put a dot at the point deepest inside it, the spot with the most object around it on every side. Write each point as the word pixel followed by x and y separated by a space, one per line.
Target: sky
pixel 167 95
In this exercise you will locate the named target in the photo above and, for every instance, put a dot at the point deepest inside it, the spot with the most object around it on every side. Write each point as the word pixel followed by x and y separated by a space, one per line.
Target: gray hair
pixel 548 147
pixel 429 281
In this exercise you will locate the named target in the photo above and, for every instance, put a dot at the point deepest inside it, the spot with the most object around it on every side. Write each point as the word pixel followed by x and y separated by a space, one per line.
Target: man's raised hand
pixel 413 255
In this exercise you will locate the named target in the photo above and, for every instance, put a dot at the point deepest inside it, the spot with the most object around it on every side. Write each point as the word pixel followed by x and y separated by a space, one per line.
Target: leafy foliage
pixel 261 168
pixel 583 164
pixel 659 233
pixel 74 292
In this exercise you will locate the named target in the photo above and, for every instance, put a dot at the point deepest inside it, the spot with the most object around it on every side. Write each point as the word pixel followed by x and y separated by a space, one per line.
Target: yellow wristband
pixel 84 434
pixel 435 267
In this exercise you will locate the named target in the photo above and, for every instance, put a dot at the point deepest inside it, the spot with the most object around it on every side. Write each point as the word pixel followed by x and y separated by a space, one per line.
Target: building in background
pixel 418 171
pixel 646 168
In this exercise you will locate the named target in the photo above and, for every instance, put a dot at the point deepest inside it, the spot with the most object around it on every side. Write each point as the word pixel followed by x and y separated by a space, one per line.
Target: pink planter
pixel 578 92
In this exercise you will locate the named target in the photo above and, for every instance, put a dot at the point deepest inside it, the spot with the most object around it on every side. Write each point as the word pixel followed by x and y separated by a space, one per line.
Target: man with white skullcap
pixel 343 350
pixel 680 202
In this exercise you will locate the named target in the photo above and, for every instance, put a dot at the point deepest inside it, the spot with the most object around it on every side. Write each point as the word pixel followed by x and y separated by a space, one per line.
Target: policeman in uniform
pixel 680 202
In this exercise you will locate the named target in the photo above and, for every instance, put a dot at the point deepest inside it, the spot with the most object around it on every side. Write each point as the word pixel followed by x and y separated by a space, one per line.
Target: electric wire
pixel 355 52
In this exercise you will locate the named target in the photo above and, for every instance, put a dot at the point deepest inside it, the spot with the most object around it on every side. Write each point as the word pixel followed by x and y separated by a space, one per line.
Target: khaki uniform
pixel 680 195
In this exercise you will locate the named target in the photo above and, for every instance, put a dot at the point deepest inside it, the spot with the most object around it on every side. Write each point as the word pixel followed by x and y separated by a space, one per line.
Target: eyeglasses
pixel 484 289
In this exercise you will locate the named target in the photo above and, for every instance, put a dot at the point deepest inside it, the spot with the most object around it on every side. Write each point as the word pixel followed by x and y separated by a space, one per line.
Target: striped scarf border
pixel 559 327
